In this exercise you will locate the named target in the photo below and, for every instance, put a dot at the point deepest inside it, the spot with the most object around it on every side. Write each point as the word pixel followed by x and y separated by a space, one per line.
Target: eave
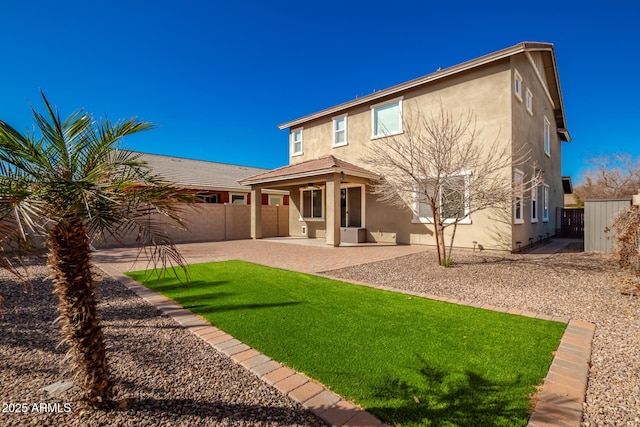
pixel 550 70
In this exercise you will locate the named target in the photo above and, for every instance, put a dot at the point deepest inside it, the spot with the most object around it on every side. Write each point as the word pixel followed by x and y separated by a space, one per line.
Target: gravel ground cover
pixel 165 375
pixel 579 285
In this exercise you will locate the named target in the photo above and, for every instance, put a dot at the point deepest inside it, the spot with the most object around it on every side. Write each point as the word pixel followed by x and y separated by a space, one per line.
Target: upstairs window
pixel 296 142
pixel 547 137
pixel 386 118
pixel 529 101
pixel 339 131
pixel 517 85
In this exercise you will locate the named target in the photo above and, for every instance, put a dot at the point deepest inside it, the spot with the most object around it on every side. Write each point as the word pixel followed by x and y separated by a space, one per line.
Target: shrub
pixel 626 226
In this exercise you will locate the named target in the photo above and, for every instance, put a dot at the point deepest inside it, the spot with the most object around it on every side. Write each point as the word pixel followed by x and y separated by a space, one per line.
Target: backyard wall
pixel 209 222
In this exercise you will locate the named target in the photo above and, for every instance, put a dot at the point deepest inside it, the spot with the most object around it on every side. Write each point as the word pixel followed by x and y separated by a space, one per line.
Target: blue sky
pixel 219 77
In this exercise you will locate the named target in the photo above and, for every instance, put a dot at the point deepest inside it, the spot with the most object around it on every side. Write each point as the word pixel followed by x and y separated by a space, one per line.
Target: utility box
pixel 353 235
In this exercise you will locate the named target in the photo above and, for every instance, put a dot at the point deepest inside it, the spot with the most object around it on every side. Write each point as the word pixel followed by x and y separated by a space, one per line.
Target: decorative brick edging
pixel 560 400
pixel 327 405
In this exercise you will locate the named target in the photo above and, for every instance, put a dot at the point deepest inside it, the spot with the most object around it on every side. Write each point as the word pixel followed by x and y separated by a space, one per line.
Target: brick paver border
pixel 560 400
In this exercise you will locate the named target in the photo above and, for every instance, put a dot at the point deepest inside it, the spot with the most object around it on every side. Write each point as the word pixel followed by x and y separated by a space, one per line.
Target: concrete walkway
pixel 560 399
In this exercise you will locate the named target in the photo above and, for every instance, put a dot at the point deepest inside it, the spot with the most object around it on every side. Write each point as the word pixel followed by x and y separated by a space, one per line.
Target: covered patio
pixel 328 199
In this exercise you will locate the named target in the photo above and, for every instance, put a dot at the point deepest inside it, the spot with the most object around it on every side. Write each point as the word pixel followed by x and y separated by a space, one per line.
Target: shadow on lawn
pixel 206 309
pixel 448 399
pixel 156 284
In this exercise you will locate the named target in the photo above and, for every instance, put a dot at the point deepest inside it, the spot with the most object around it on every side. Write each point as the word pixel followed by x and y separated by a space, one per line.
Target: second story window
pixel 517 85
pixel 296 142
pixel 547 137
pixel 339 131
pixel 529 101
pixel 386 118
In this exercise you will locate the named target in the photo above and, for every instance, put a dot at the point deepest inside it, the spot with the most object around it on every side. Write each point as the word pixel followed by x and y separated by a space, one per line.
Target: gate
pixel 572 223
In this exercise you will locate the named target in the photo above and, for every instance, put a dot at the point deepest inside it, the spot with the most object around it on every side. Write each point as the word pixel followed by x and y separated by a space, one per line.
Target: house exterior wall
pixel 487 92
pixel 528 137
pixel 314 228
pixel 484 91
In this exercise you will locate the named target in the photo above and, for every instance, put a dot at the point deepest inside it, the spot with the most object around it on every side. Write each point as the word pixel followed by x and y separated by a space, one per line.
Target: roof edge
pixel 464 66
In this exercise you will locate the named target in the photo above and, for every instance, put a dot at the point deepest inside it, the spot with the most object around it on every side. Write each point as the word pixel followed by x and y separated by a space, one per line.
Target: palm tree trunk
pixel 70 261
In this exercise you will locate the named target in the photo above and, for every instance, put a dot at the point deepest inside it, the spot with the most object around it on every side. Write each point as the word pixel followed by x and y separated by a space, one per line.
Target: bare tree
pixel 609 176
pixel 442 170
pixel 626 228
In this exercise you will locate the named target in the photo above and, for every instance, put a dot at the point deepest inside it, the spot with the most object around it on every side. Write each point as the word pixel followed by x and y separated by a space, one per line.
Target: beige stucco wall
pixel 216 222
pixel 485 92
pixel 528 136
pixel 315 228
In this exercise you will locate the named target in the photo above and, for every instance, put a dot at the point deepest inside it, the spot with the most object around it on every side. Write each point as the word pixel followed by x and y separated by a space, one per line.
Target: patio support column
pixel 256 213
pixel 333 210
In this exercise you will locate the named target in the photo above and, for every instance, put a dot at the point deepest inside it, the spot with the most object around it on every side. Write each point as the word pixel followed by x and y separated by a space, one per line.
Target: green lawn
pixel 408 360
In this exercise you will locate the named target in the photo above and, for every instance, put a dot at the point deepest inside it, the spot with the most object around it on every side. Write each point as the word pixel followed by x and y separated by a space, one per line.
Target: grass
pixel 408 360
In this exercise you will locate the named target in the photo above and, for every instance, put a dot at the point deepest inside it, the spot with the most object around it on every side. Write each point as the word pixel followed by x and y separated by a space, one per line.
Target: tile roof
pixel 199 174
pixel 322 165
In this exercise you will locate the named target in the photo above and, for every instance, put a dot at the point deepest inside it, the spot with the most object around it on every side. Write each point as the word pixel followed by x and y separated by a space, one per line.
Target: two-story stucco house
pixel 515 97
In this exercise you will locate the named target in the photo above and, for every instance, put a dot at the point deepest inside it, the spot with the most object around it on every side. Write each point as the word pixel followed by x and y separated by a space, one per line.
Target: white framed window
pixel 547 137
pixel 517 85
pixel 275 200
pixel 339 131
pixel 518 197
pixel 386 118
pixel 545 203
pixel 534 203
pixel 238 198
pixel 207 198
pixel 312 204
pixel 453 199
pixel 296 142
pixel 529 101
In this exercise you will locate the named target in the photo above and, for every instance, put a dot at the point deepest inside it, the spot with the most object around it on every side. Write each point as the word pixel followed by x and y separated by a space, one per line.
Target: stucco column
pixel 256 213
pixel 333 210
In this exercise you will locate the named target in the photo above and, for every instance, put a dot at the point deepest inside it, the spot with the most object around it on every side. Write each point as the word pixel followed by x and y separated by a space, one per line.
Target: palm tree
pixel 68 183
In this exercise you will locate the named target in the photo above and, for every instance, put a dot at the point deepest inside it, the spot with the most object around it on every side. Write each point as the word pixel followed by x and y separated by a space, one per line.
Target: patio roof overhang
pixel 307 171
